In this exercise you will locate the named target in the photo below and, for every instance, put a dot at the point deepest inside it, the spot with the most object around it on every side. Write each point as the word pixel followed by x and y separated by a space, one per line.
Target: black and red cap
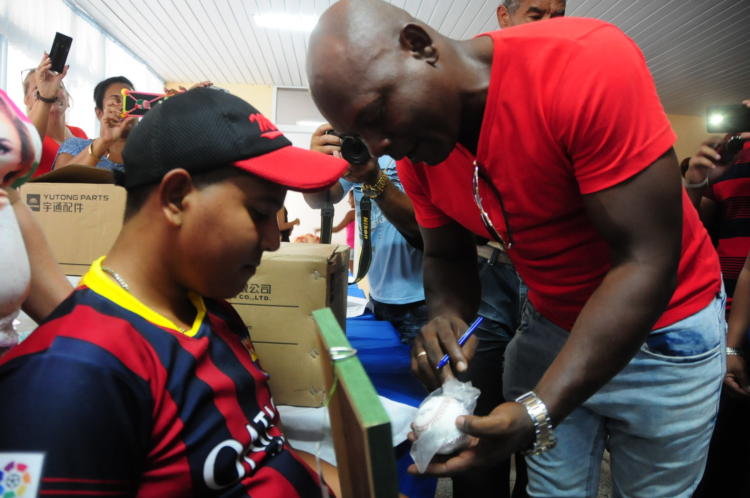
pixel 206 128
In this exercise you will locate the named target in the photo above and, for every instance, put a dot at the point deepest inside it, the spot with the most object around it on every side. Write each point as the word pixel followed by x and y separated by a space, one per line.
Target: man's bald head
pixel 377 72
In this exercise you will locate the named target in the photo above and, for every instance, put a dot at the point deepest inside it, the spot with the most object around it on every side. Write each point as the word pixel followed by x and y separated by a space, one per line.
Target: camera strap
pixel 326 220
pixel 365 231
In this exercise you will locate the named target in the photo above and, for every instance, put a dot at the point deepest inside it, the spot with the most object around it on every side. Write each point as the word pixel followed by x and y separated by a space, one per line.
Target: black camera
pixel 353 149
pixel 729 148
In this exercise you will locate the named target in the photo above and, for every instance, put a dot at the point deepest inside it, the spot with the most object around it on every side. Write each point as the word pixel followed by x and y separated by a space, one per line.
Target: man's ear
pixel 173 189
pixel 415 38
pixel 503 16
pixel 98 112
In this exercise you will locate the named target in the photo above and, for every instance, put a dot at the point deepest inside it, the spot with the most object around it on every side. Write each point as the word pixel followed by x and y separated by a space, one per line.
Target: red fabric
pixel 49 151
pixel 579 114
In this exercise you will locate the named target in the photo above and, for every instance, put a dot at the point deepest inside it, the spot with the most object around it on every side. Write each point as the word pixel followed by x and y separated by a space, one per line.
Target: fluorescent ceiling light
pixel 285 21
pixel 307 122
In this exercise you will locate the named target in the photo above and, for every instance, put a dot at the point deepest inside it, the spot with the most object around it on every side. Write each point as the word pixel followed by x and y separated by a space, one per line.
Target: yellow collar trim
pixel 98 281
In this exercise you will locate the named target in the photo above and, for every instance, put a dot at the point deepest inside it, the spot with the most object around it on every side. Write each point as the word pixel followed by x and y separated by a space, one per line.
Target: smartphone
pixel 727 119
pixel 58 54
pixel 139 103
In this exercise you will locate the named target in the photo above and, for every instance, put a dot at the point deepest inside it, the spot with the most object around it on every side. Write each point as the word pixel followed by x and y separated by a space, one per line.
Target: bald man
pixel 573 172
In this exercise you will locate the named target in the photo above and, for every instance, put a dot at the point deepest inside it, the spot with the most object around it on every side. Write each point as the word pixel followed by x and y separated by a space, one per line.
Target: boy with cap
pixel 143 380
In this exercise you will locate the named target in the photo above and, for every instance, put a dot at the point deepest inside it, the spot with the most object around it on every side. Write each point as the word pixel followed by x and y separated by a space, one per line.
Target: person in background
pixel 144 381
pixel 285 226
pixel 395 273
pixel 29 277
pixel 719 190
pixel 105 151
pixel 46 101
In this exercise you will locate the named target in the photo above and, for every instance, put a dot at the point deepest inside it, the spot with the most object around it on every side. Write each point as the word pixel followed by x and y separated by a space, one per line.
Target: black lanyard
pixel 365 230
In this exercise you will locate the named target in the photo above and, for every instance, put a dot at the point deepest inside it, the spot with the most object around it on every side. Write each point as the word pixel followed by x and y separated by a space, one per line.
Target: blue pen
pixel 461 341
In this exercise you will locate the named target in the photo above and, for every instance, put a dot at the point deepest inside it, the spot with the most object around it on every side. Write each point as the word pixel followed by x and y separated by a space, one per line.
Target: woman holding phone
pixel 46 101
pixel 105 151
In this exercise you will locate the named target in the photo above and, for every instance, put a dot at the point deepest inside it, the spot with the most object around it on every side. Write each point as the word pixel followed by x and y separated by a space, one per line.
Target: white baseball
pixel 438 416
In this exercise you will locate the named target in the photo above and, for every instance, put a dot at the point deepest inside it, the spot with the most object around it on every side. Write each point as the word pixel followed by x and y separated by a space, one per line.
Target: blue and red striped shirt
pixel 124 403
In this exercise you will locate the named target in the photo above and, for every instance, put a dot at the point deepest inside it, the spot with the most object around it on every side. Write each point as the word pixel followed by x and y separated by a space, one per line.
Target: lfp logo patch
pixel 20 474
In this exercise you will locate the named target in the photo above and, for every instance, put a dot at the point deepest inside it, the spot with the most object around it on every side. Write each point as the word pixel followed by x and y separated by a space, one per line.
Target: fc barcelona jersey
pixel 121 402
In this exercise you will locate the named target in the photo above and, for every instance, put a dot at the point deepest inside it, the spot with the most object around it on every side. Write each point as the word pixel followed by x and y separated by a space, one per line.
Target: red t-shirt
pixel 571 109
pixel 49 151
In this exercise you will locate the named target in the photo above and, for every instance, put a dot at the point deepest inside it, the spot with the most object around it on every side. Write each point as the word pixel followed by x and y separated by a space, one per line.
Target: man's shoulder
pixel 558 29
pixel 74 145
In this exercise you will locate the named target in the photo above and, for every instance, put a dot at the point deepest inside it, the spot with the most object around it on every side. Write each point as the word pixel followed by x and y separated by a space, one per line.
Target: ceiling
pixel 698 50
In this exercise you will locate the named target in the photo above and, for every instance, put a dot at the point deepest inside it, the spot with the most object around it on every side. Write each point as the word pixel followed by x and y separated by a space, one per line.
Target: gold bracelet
pixel 375 190
pixel 91 151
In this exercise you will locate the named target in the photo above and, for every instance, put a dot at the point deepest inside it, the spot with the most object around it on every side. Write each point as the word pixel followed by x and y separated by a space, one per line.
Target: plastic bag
pixel 435 421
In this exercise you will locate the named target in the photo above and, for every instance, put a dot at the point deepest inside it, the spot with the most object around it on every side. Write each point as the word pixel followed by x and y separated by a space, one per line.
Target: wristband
pixel 735 352
pixel 45 99
pixel 544 436
pixel 688 185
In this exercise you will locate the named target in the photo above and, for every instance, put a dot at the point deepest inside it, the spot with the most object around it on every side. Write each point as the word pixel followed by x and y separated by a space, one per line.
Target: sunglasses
pixel 506 244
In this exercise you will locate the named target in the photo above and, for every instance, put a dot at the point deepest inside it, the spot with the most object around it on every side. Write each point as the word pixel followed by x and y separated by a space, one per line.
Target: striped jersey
pixel 121 402
pixel 731 192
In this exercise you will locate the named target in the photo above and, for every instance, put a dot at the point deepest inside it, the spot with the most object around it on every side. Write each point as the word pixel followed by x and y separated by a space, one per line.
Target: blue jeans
pixel 655 416
pixel 408 319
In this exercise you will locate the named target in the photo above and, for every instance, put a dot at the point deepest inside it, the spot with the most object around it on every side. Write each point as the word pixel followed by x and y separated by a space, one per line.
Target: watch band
pixel 688 185
pixel 46 100
pixel 544 435
pixel 373 191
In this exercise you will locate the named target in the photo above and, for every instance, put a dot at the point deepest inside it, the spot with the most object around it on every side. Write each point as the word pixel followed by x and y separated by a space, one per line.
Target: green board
pixel 361 428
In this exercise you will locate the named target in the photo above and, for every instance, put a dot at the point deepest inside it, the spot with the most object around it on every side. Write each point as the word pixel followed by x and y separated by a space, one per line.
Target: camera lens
pixel 354 150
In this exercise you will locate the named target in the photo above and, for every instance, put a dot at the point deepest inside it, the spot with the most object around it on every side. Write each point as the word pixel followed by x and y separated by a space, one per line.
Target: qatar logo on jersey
pixel 262 445
pixel 19 474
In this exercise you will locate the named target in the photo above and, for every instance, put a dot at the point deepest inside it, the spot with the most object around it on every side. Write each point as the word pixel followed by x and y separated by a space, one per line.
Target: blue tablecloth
pixel 387 362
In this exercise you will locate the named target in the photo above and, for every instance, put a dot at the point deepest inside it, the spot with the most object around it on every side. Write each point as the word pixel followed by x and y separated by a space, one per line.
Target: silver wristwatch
pixel 544 436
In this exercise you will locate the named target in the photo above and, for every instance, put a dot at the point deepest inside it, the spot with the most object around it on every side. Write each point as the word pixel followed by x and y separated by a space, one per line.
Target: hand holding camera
pixel 363 168
pixel 715 157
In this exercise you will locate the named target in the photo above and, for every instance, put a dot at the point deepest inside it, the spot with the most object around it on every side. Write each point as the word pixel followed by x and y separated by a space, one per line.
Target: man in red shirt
pixel 622 340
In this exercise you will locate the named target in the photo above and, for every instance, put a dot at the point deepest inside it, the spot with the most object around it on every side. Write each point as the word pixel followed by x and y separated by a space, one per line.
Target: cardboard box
pixel 277 305
pixel 80 220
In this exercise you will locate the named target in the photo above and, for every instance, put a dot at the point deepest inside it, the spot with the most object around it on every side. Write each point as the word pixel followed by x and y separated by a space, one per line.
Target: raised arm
pixel 49 287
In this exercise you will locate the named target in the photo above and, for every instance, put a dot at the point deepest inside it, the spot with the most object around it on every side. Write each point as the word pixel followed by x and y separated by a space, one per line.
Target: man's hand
pixel 706 162
pixel 736 378
pixel 438 337
pixel 506 430
pixel 325 143
pixel 363 173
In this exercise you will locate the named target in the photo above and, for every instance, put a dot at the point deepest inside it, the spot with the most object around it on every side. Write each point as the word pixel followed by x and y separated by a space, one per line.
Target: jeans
pixel 408 319
pixel 655 416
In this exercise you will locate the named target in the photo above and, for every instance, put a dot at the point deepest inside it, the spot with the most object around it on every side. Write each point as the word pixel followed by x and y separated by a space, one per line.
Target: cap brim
pixel 295 168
